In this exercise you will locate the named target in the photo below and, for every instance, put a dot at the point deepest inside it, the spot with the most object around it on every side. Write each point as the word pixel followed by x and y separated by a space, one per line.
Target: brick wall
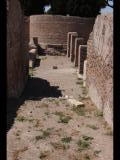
pixel 53 29
pixel 100 65
pixel 17 48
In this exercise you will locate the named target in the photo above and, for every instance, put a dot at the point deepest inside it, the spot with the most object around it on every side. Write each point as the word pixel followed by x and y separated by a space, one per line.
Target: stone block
pixel 32 57
pixel 78 41
pixel 72 45
pixel 81 57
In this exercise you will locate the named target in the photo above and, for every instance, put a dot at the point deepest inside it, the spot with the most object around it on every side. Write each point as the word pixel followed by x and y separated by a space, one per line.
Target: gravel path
pixel 44 125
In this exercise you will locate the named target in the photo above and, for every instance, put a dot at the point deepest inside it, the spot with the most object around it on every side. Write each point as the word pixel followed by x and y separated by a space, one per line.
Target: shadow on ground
pixel 36 89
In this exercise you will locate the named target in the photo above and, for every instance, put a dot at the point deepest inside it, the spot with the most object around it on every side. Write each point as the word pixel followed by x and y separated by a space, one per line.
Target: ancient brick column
pixel 81 57
pixel 72 45
pixel 68 42
pixel 78 41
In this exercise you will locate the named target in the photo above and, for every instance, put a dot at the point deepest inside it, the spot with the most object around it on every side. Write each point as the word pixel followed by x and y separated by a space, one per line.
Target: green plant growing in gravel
pixel 21 118
pixel 43 155
pixel 47 113
pixel 59 113
pixel 87 138
pixel 66 139
pixel 98 113
pixel 87 157
pixel 92 126
pixel 45 133
pixel 79 110
pixel 65 119
pixel 79 82
pixel 56 102
pixel 58 145
pixel 84 142
pixel 96 153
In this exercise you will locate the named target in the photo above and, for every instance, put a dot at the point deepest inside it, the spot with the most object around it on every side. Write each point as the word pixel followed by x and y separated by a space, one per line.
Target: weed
pixel 92 126
pixel 47 113
pixel 79 82
pixel 96 153
pixel 59 114
pixel 87 138
pixel 79 110
pixel 43 155
pixel 87 157
pixel 21 118
pixel 45 134
pixel 30 120
pixel 66 139
pixel 84 143
pixel 65 119
pixel 56 102
pixel 84 91
pixel 37 123
pixel 58 145
pixel 98 113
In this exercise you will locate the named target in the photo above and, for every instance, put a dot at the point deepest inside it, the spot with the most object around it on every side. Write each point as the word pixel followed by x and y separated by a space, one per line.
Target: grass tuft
pixel 66 139
pixel 79 110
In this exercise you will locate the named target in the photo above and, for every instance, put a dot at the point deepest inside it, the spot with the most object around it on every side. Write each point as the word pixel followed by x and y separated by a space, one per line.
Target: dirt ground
pixel 42 124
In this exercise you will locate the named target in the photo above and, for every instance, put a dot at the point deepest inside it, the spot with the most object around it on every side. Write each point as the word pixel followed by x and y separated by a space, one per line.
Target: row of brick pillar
pixel 77 51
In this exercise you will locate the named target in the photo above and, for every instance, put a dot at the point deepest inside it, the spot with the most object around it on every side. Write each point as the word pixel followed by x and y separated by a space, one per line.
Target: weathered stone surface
pixel 100 65
pixel 81 57
pixel 72 45
pixel 17 48
pixel 78 41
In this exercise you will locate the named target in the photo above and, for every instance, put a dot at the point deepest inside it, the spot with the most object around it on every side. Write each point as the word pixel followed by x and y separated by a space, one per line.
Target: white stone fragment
pixel 75 102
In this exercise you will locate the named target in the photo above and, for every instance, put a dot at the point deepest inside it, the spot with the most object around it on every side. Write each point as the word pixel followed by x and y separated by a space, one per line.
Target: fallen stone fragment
pixel 55 67
pixel 76 103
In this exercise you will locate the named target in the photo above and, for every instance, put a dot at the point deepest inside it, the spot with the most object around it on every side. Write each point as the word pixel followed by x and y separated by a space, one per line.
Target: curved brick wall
pixel 100 65
pixel 53 29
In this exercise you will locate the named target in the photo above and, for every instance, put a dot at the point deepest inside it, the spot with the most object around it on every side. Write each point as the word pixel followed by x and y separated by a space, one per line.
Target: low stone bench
pixel 82 54
pixel 32 57
pixel 72 45
pixel 78 41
